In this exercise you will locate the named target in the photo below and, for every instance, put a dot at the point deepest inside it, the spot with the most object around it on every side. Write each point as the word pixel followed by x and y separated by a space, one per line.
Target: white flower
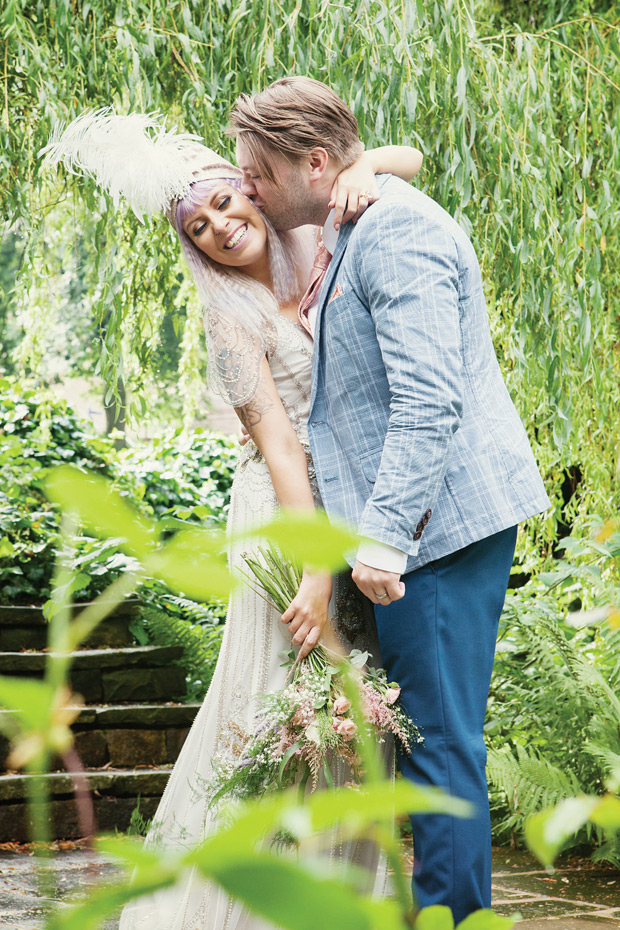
pixel 312 733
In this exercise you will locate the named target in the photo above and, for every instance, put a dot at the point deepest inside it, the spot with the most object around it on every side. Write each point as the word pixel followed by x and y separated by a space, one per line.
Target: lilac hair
pixel 197 192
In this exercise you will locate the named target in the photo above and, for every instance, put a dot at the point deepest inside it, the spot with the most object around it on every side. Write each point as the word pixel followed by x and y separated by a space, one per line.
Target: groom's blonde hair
pixel 291 117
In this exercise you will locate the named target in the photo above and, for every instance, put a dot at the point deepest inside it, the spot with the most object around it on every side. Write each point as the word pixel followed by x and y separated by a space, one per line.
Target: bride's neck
pixel 290 308
pixel 260 272
pixel 263 276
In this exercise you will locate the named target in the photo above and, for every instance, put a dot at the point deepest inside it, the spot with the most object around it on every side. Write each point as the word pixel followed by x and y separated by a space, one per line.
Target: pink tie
pixel 319 270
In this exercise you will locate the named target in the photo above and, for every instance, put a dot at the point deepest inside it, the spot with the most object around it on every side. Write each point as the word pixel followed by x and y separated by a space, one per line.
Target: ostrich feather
pixel 133 157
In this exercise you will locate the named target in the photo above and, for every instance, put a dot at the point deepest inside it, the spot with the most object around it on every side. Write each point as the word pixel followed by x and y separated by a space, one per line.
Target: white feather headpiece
pixel 135 157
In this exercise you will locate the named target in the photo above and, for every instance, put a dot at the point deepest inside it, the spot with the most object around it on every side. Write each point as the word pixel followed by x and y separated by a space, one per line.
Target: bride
pixel 250 280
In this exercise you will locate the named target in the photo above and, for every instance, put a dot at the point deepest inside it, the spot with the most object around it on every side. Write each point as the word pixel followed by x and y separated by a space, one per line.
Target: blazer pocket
pixel 370 464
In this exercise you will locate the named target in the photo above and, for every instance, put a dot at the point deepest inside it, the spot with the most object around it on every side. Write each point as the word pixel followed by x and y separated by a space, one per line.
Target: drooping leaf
pixel 436 917
pixel 30 701
pixel 547 831
pixel 309 538
pixel 606 814
pixel 100 509
pixel 290 896
pixel 192 563
pixel 486 919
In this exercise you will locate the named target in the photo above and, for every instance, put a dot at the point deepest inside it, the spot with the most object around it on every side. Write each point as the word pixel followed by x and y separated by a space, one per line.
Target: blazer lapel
pixel 326 289
pixel 341 247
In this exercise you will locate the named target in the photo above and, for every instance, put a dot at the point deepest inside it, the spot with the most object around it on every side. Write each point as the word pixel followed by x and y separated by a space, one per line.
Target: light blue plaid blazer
pixel 415 439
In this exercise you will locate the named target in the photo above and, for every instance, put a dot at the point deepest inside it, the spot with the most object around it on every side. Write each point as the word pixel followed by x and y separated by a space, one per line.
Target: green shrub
pixel 36 433
pixel 186 476
pixel 552 717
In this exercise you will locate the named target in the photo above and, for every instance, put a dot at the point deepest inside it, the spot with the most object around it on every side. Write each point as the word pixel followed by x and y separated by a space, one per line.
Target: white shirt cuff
pixel 379 555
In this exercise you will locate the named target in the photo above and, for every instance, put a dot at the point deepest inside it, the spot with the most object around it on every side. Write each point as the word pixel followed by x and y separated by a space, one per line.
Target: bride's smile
pixel 236 239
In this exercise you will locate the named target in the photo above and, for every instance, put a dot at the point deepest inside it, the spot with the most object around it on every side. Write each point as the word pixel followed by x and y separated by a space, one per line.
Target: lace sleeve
pixel 234 355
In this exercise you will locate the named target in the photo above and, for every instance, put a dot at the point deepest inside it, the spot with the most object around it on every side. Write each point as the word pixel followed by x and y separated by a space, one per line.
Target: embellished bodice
pixel 290 361
pixel 291 367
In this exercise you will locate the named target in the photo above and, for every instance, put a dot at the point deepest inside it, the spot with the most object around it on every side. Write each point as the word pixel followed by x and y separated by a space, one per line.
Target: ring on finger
pixel 366 195
pixel 382 597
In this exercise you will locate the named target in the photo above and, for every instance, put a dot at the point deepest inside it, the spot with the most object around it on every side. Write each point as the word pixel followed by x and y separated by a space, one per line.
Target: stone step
pixel 139 673
pixel 115 796
pixel 27 663
pixel 127 735
pixel 27 628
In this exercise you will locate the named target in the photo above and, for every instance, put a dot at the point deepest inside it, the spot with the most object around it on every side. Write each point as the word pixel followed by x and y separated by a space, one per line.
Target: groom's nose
pixel 248 188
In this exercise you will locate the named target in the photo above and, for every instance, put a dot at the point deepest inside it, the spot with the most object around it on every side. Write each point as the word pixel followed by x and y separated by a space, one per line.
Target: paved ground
pixel 576 897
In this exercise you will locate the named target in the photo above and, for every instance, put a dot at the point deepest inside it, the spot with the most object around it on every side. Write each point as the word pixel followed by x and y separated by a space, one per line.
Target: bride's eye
pixel 224 203
pixel 200 229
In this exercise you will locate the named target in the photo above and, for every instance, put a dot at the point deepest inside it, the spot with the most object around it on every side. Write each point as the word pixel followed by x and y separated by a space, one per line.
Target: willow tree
pixel 515 106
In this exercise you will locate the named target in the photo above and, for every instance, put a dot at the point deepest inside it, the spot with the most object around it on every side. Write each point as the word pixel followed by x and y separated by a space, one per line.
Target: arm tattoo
pixel 252 413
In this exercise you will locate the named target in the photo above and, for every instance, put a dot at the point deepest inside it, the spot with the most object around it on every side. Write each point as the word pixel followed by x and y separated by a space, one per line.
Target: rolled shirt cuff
pixel 379 555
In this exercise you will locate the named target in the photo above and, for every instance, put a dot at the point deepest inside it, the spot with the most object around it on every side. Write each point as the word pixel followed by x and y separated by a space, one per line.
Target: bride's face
pixel 228 228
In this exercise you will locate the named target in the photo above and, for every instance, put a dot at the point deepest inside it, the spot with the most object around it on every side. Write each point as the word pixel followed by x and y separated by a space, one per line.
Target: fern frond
pixel 610 760
pixel 201 645
pixel 528 781
pixel 609 851
pixel 198 613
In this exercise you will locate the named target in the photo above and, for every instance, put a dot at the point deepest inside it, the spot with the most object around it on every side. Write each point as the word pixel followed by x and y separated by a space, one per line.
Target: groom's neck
pixel 321 197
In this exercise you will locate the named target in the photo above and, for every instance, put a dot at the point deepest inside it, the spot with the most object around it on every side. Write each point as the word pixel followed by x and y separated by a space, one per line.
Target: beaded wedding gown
pixel 250 664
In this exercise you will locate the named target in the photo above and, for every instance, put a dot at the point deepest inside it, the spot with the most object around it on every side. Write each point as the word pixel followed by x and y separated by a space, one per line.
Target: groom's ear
pixel 318 160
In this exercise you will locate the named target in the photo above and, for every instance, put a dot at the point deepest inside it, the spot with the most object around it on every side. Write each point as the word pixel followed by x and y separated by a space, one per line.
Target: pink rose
pixel 336 723
pixel 347 729
pixel 392 695
pixel 341 705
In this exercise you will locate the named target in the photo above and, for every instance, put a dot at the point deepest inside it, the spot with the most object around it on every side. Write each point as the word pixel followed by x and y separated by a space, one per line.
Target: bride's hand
pixel 353 191
pixel 307 615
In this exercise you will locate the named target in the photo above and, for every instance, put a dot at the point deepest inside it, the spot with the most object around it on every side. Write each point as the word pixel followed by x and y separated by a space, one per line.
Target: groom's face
pixel 286 204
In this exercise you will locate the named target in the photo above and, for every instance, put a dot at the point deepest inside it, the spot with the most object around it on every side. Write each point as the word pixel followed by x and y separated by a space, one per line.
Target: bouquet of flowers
pixel 307 725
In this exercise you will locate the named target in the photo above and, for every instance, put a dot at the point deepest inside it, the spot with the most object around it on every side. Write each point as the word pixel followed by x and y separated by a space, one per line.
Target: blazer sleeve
pixel 410 278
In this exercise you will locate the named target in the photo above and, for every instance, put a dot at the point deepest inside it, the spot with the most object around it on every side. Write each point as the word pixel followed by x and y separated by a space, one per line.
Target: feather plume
pixel 131 156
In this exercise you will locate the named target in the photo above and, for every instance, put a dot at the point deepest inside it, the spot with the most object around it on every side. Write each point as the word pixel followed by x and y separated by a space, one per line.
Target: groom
pixel 415 442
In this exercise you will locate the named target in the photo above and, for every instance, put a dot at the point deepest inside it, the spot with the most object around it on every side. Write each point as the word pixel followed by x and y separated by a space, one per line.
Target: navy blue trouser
pixel 438 642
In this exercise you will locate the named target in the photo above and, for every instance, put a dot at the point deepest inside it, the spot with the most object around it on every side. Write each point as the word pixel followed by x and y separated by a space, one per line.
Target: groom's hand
pixel 379 586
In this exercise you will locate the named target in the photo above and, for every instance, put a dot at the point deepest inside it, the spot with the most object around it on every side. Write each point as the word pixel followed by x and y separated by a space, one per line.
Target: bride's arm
pixel 402 160
pixel 268 424
pixel 356 187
